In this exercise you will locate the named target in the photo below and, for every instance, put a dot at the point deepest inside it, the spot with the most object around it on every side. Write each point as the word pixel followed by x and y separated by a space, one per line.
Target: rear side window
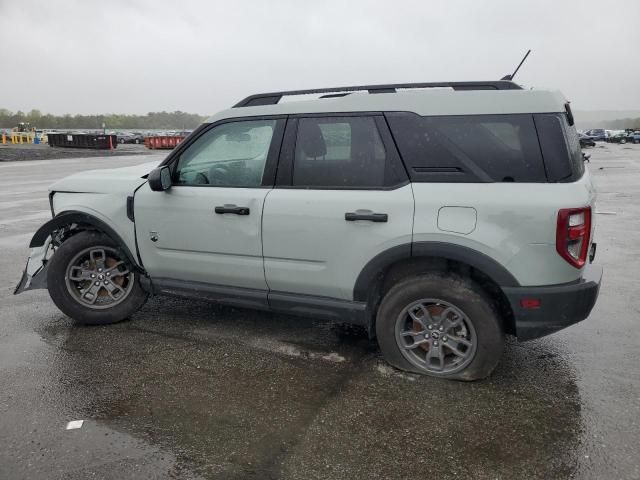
pixel 560 147
pixel 342 152
pixel 469 148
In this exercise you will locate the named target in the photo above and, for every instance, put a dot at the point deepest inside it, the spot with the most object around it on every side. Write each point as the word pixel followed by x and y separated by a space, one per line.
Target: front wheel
pixel 440 325
pixel 91 281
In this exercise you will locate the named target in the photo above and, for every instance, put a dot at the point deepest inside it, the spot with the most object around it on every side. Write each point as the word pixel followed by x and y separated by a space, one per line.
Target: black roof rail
pixel 274 97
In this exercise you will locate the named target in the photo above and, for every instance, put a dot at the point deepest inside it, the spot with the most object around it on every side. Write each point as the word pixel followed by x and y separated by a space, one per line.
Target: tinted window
pixel 469 148
pixel 341 152
pixel 575 151
pixel 229 155
pixel 560 147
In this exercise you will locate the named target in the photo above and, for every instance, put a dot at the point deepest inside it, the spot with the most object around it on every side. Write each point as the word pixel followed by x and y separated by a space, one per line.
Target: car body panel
pixel 517 232
pixel 110 208
pixel 310 248
pixel 193 243
pixel 112 181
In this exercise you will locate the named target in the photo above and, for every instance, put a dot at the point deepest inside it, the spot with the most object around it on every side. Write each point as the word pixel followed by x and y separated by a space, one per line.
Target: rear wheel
pixel 91 281
pixel 440 325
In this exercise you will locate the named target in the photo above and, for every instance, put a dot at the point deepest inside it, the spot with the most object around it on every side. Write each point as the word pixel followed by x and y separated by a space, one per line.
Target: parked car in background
pixel 619 138
pixel 613 133
pixel 598 134
pixel 125 137
pixel 586 140
pixel 633 137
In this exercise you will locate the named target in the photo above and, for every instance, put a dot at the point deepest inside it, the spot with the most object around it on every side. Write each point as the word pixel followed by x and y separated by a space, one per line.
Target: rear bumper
pixel 560 305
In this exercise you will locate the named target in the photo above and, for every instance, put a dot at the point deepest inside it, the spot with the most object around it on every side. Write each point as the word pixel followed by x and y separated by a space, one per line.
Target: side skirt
pixel 331 309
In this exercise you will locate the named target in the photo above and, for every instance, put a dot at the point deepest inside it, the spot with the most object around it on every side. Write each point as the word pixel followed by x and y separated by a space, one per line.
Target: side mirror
pixel 160 179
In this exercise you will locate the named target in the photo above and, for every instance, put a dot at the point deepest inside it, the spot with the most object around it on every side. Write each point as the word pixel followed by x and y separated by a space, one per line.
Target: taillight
pixel 572 235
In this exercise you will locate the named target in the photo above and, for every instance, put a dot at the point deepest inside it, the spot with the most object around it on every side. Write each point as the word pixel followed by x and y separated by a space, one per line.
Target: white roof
pixel 425 102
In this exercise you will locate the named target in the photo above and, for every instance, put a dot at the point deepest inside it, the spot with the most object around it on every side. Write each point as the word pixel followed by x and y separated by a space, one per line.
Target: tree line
pixel 112 121
pixel 623 123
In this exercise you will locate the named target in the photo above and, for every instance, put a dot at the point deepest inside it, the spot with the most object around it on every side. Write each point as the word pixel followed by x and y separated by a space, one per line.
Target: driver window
pixel 229 155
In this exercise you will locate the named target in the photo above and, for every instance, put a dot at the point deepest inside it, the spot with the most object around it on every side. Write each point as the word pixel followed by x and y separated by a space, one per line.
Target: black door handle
pixel 371 217
pixel 232 209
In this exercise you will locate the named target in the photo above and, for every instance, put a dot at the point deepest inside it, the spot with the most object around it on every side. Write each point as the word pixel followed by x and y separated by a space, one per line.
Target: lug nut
pixel 97 283
pixel 426 336
pixel 429 327
pixel 435 344
pixel 99 269
pixel 444 339
pixel 106 283
pixel 93 275
pixel 108 274
pixel 441 329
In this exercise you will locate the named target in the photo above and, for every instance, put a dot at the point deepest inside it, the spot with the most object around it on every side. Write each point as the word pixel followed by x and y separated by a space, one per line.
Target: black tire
pixel 60 292
pixel 466 297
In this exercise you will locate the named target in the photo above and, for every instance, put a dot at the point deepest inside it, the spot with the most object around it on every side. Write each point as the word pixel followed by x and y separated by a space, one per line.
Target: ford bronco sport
pixel 440 219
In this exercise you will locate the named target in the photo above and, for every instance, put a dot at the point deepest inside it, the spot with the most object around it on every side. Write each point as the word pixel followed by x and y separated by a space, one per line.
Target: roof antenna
pixel 510 77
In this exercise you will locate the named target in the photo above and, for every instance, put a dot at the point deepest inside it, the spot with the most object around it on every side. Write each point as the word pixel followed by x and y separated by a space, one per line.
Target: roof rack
pixel 274 97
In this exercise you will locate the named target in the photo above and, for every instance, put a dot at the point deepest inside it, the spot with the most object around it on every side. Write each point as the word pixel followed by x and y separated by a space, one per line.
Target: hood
pixel 125 179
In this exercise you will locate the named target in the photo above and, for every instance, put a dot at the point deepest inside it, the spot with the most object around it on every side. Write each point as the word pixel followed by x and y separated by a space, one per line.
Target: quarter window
pixel 230 155
pixel 469 148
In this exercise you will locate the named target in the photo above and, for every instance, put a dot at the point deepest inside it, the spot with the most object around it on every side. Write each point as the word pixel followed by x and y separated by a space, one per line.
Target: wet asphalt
pixel 190 390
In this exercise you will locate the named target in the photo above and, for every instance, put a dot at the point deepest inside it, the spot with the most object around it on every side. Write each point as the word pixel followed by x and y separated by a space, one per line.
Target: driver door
pixel 207 227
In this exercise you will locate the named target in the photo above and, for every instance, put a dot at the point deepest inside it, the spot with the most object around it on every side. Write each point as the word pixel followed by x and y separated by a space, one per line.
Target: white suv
pixel 440 219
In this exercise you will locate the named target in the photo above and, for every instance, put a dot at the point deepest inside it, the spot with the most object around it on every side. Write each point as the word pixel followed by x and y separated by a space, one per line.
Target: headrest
pixel 310 139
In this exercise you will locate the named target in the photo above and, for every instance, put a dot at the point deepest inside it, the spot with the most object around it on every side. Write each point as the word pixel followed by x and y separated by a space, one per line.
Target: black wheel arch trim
pixel 381 262
pixel 81 218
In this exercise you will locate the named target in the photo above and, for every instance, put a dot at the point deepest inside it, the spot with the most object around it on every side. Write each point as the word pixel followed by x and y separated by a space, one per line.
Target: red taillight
pixel 572 235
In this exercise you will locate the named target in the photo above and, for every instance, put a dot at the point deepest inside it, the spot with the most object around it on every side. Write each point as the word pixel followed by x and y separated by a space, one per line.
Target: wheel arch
pixel 405 260
pixel 83 221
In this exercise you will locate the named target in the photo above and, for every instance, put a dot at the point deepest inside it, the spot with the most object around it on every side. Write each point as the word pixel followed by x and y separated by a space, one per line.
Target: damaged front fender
pixel 35 273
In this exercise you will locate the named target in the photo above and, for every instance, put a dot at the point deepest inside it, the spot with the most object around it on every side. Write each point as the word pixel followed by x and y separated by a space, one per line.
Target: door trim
pixel 332 309
pixel 226 295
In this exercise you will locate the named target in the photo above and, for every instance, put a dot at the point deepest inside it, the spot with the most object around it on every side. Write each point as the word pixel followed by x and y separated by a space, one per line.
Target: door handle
pixel 365 215
pixel 232 209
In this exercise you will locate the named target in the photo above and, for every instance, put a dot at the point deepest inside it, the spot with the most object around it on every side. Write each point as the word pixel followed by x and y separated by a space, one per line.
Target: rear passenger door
pixel 342 196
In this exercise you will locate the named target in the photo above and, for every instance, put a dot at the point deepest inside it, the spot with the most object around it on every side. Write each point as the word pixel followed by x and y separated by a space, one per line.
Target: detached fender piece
pixel 34 275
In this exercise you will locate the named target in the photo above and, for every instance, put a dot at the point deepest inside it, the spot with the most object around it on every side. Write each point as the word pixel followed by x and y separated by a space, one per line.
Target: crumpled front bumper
pixel 35 273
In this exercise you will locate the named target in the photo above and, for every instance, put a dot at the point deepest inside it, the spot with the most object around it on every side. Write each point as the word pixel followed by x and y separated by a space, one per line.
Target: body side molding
pixel 469 256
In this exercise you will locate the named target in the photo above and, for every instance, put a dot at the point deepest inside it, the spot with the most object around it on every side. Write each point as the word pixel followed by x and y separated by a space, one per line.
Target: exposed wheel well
pixel 68 224
pixel 413 266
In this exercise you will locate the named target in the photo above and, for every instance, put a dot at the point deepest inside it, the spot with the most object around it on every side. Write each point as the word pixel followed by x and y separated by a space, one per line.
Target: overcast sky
pixel 137 56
